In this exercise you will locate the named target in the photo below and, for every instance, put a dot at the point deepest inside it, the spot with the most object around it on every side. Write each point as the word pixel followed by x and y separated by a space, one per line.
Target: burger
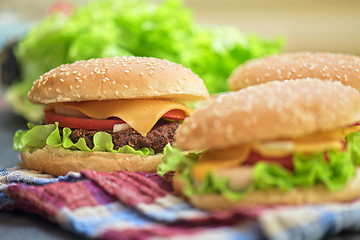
pixel 107 114
pixel 320 65
pixel 284 142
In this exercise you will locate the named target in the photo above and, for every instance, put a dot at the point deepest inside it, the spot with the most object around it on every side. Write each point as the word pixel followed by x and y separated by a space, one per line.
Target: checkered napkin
pixel 126 205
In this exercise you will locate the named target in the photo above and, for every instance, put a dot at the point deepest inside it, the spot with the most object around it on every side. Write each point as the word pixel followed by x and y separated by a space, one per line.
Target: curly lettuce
pixel 39 136
pixel 309 170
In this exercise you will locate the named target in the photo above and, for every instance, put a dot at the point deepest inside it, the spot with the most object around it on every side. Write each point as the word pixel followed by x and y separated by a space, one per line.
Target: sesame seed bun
pixel 60 161
pixel 315 195
pixel 324 66
pixel 276 110
pixel 118 78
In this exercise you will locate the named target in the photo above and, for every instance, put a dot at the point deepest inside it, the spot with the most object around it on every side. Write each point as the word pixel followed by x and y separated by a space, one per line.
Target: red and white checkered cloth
pixel 127 205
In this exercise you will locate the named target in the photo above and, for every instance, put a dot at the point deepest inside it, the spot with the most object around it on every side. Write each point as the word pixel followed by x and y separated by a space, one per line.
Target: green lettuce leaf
pixel 38 136
pixel 309 170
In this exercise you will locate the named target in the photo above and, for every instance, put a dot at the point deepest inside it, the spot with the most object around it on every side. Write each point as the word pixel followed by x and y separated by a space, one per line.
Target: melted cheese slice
pixel 285 148
pixel 232 157
pixel 216 159
pixel 316 142
pixel 140 114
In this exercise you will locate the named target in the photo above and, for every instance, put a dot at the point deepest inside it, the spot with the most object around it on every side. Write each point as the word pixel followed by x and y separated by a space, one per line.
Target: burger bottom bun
pixel 59 161
pixel 315 195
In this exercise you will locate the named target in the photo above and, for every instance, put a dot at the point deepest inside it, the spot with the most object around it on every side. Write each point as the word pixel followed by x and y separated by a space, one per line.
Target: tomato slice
pixel 286 161
pixel 175 114
pixel 85 123
pixel 98 124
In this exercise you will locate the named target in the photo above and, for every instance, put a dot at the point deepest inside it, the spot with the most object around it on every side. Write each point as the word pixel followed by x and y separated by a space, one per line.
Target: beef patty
pixel 160 135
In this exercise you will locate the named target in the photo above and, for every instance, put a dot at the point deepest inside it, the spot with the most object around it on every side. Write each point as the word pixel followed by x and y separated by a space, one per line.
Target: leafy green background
pixel 134 27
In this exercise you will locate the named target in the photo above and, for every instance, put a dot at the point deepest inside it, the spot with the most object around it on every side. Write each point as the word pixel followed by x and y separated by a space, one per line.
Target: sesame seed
pixel 126 86
pixel 113 82
pixel 151 72
pixel 162 67
pixel 77 95
pixel 58 90
pixel 126 71
pixel 116 93
pixel 141 74
pixel 61 80
pixel 77 86
pixel 71 87
pixel 74 72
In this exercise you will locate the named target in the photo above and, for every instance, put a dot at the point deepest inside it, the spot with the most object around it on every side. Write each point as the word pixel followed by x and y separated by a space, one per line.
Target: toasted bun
pixel 276 110
pixel 315 195
pixel 117 78
pixel 59 161
pixel 324 66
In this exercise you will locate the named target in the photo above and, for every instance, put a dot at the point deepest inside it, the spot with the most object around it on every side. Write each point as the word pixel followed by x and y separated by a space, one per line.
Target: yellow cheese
pixel 316 142
pixel 140 114
pixel 285 148
pixel 232 157
pixel 215 159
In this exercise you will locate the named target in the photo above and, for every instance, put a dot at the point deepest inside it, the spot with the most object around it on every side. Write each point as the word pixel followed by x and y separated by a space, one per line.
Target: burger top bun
pixel 117 78
pixel 324 66
pixel 276 110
